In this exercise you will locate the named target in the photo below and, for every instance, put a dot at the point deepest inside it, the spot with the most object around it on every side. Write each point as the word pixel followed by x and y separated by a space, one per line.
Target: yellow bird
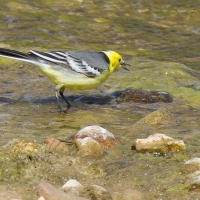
pixel 75 70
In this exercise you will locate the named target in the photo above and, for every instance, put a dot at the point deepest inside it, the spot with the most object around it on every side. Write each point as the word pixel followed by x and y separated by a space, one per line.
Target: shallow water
pixel 144 31
pixel 157 30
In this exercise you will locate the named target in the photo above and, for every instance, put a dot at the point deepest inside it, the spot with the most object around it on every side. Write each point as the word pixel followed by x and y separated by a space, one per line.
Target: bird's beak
pixel 123 64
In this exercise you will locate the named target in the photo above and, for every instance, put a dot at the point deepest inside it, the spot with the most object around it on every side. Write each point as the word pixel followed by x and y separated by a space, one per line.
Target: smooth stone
pixel 103 136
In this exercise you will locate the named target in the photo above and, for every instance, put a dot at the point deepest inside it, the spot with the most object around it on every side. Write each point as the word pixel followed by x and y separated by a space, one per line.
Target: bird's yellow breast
pixel 71 79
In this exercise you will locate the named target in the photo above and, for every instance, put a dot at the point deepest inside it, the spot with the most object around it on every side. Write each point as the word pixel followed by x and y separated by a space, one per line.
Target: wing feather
pixel 90 63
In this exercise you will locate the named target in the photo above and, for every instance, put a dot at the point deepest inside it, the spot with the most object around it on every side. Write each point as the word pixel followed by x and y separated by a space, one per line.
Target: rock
pixel 128 194
pixel 49 192
pixel 193 161
pixel 105 138
pixel 156 118
pixel 98 192
pixel 72 186
pixel 126 95
pixel 192 169
pixel 41 198
pixel 89 147
pixel 191 166
pixel 142 96
pixel 193 183
pixel 72 183
pixel 23 147
pixel 55 144
pixel 159 143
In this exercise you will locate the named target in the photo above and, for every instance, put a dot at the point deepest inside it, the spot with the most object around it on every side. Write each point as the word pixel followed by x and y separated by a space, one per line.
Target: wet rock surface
pixel 105 138
pixel 143 96
pixel 158 143
pixel 89 147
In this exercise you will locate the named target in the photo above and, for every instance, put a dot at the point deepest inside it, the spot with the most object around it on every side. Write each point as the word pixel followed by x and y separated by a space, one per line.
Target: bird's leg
pixel 61 94
pixel 60 89
pixel 57 89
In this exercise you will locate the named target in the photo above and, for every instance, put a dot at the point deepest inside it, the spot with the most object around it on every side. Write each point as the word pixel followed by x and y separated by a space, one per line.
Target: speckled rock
pixel 159 143
pixel 105 138
pixel 23 147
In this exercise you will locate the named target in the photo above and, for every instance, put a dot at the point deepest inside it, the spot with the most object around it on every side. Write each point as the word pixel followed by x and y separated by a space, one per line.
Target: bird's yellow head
pixel 115 60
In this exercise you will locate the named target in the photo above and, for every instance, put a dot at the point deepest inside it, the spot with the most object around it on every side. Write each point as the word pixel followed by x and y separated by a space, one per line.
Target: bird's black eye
pixel 120 60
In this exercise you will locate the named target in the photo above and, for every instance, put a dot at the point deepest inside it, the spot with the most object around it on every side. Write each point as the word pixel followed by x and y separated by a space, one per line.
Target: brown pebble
pixel 55 144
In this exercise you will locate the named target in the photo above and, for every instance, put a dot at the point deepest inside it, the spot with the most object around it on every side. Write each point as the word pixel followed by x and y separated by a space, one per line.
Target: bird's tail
pixel 14 54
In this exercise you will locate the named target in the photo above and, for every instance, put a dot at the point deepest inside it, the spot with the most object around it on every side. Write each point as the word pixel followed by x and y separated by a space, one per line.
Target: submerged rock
pixel 159 143
pixel 55 144
pixel 193 182
pixel 191 166
pixel 98 192
pixel 128 194
pixel 158 117
pixel 126 95
pixel 144 96
pixel 89 147
pixel 191 169
pixel 49 192
pixel 105 138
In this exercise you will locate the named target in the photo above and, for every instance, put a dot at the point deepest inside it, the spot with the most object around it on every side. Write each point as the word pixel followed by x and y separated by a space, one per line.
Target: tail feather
pixel 14 54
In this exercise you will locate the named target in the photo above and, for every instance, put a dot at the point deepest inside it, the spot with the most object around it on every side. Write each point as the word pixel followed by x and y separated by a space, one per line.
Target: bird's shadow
pixel 87 99
pixel 120 96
